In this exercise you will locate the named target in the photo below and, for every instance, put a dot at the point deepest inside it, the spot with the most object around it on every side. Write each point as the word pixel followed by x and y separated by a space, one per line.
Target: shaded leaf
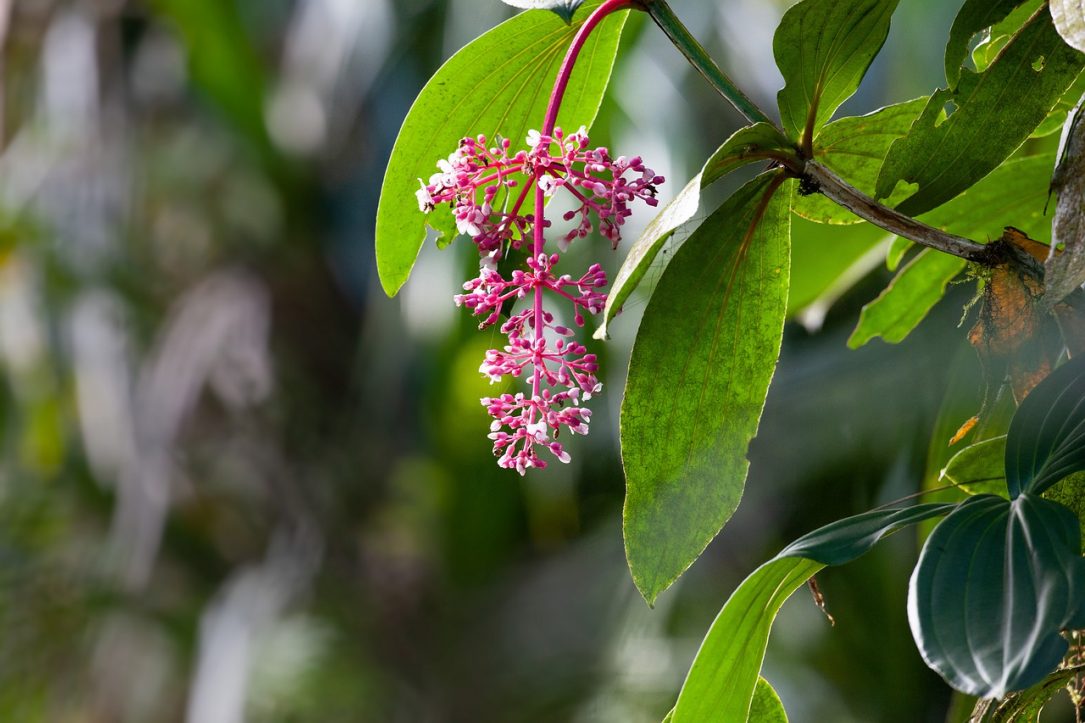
pixel 498 84
pixel 1065 271
pixel 1046 441
pixel 995 584
pixel 721 682
pixel 974 16
pixel 996 110
pixel 700 368
pixel 823 49
pixel 758 142
pixel 855 147
pixel 1069 17
pixel 564 8
pixel 979 468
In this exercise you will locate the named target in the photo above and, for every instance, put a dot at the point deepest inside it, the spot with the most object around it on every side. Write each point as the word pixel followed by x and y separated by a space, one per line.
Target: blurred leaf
pixel 823 49
pixel 721 682
pixel 700 368
pixel 946 156
pixel 974 16
pixel 758 142
pixel 995 584
pixel 897 251
pixel 1065 271
pixel 980 468
pixel 1046 441
pixel 1069 17
pixel 564 8
pixel 498 84
pixel 855 147
pixel 908 298
pixel 820 277
pixel 766 706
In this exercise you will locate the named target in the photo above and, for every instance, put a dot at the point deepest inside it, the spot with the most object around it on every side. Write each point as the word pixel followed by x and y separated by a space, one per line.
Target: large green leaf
pixel 823 49
pixel 995 112
pixel 1015 195
pixel 1069 17
pixel 721 682
pixel 1065 272
pixel 855 147
pixel 974 16
pixel 498 84
pixel 758 142
pixel 1046 441
pixel 995 584
pixel 700 368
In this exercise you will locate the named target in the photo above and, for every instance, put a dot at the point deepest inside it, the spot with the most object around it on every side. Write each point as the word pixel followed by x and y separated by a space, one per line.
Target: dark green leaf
pixel 855 147
pixel 979 468
pixel 1069 17
pixel 721 682
pixel 995 112
pixel 700 368
pixel 498 84
pixel 974 16
pixel 823 49
pixel 1066 271
pixel 564 8
pixel 754 143
pixel 1025 705
pixel 1046 441
pixel 766 706
pixel 995 584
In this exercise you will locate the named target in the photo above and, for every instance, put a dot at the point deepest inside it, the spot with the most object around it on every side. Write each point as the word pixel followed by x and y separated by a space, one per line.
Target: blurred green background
pixel 239 483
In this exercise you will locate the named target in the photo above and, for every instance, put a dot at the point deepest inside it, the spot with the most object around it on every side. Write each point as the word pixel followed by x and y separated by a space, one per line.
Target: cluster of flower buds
pixel 488 191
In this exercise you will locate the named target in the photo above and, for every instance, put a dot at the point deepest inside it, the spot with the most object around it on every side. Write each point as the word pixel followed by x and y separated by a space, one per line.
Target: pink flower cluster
pixel 487 189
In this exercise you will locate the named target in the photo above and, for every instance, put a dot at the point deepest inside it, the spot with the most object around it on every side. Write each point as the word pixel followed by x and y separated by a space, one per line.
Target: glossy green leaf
pixel 979 468
pixel 823 49
pixel 721 682
pixel 995 584
pixel 758 142
pixel 1069 17
pixel 498 84
pixel 996 111
pixel 908 299
pixel 700 368
pixel 1015 194
pixel 974 16
pixel 766 706
pixel 1046 441
pixel 1065 272
pixel 564 8
pixel 855 147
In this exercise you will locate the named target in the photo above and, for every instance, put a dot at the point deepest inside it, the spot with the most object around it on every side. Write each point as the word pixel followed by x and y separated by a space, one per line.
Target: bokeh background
pixel 238 483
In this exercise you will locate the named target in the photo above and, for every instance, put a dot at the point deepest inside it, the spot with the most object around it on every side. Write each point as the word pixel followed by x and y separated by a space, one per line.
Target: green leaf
pixel 908 298
pixel 1046 441
pixel 700 368
pixel 995 584
pixel 979 468
pixel 855 147
pixel 897 251
pixel 1025 705
pixel 999 35
pixel 1069 17
pixel 766 706
pixel 818 278
pixel 721 682
pixel 995 113
pixel 498 84
pixel 564 8
pixel 758 142
pixel 1065 272
pixel 1014 194
pixel 823 49
pixel 974 16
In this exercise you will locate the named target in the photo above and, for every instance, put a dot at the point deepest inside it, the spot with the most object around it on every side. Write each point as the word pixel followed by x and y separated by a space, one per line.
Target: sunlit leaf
pixel 974 16
pixel 996 111
pixel 701 365
pixel 996 583
pixel 766 706
pixel 498 84
pixel 979 468
pixel 823 49
pixel 758 142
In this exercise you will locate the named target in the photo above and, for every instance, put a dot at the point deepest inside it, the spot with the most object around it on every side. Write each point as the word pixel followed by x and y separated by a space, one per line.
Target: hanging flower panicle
pixel 488 190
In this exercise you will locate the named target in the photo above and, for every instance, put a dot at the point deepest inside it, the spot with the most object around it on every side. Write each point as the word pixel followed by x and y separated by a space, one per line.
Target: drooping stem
pixel 699 58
